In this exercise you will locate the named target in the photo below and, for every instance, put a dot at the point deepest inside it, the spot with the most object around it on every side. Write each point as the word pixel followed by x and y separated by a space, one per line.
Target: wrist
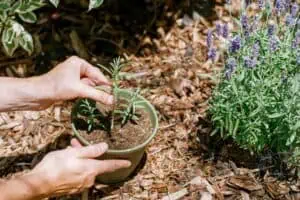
pixel 28 187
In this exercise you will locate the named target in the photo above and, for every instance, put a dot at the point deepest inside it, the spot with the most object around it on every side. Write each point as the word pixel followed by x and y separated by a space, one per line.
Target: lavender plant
pixel 257 102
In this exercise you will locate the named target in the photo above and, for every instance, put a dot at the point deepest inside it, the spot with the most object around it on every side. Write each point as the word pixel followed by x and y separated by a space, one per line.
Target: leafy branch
pixel 15 12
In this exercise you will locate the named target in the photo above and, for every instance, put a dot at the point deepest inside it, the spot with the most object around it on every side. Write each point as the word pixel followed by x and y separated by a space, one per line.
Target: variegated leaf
pixel 3 16
pixel 54 2
pixel 17 28
pixel 26 42
pixel 8 35
pixel 29 17
pixel 95 4
pixel 9 44
pixel 4 6
pixel 16 6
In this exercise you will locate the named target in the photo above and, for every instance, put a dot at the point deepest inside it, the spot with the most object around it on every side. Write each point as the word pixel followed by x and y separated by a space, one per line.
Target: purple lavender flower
pixel 235 44
pixel 231 64
pixel 273 43
pixel 212 53
pixel 247 3
pixel 294 10
pixel 271 29
pixel 254 24
pixel 245 26
pixel 279 6
pixel 290 20
pixel 250 62
pixel 287 4
pixel 219 29
pixel 209 38
pixel 296 41
pixel 255 50
pixel 261 4
pixel 225 31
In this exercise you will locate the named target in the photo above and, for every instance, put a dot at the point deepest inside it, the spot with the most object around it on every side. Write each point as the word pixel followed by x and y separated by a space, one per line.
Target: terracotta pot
pixel 134 154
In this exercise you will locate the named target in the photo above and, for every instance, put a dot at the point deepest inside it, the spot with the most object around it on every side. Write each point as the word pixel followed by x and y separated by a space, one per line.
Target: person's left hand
pixel 73 78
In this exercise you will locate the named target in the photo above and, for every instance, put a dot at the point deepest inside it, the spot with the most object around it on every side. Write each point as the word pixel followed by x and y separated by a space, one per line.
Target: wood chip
pixel 177 195
pixel 244 182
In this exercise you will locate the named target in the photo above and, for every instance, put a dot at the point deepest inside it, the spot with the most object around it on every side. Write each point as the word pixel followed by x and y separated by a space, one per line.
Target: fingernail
pixel 104 145
pixel 127 163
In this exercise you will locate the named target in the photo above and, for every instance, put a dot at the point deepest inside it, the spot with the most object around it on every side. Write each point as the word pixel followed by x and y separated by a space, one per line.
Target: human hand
pixel 70 79
pixel 72 170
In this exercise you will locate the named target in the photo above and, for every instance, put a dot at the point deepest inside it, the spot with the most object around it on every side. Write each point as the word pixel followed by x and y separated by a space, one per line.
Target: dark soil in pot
pixel 121 137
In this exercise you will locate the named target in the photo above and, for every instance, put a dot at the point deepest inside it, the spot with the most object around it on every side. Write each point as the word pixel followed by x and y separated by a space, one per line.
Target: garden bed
pixel 182 161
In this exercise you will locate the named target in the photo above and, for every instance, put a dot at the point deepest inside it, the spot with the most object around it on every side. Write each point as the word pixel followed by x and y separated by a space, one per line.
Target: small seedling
pixel 92 115
pixel 123 109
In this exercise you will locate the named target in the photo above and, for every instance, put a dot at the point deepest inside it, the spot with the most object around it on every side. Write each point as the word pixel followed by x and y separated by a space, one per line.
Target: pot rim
pixel 115 151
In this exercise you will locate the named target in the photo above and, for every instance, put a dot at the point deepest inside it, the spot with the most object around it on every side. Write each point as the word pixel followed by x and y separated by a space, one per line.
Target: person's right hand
pixel 74 169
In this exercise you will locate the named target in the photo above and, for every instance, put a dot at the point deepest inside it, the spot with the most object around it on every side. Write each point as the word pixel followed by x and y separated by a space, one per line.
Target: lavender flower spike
pixel 287 4
pixel 231 64
pixel 225 31
pixel 255 50
pixel 219 29
pixel 294 10
pixel 212 53
pixel 209 39
pixel 245 26
pixel 261 4
pixel 250 62
pixel 296 41
pixel 279 6
pixel 271 30
pixel 235 44
pixel 290 21
pixel 273 43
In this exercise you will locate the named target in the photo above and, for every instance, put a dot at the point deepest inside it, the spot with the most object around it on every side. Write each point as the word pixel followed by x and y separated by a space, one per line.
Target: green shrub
pixel 15 12
pixel 257 102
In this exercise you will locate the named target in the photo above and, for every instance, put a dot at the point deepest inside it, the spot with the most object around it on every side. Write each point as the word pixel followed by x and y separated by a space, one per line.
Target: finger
pixel 92 93
pixel 91 72
pixel 107 166
pixel 88 81
pixel 75 143
pixel 92 151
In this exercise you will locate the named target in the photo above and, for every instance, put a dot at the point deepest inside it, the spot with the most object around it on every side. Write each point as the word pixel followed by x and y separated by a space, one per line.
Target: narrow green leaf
pixel 291 139
pixel 29 17
pixel 95 4
pixel 296 126
pixel 275 115
pixel 236 127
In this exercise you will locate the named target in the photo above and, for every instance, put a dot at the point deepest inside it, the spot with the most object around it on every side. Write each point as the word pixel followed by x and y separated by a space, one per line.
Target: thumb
pixel 92 151
pixel 87 91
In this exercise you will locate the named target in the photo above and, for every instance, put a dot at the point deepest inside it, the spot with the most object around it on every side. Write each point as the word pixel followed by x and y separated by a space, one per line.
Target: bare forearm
pixel 22 94
pixel 28 187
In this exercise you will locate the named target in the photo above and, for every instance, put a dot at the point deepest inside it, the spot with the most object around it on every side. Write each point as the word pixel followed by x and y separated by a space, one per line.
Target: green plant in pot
pixel 127 126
